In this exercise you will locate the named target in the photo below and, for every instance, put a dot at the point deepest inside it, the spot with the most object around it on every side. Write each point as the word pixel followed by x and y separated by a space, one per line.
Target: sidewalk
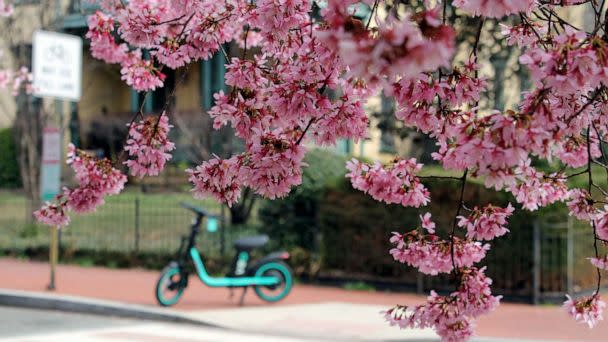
pixel 308 309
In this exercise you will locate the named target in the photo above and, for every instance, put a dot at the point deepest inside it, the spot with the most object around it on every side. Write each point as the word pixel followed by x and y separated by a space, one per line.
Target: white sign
pixel 57 65
pixel 50 174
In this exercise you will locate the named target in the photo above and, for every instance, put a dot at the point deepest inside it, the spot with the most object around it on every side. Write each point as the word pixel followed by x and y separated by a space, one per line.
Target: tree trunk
pixel 241 211
pixel 28 135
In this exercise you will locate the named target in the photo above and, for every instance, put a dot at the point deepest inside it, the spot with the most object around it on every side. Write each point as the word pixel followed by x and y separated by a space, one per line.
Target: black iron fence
pixel 538 262
pixel 129 223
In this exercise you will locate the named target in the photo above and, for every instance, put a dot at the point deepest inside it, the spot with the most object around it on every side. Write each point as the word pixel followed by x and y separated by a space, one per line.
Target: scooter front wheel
pixel 170 285
pixel 274 293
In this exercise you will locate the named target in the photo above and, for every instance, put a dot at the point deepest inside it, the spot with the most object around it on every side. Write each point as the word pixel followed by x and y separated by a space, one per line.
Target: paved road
pixel 27 325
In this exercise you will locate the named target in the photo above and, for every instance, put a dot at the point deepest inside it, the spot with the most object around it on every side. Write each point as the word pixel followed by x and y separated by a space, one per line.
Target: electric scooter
pixel 270 277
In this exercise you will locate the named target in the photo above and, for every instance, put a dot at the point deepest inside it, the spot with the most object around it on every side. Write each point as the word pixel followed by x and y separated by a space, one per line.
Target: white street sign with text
pixel 57 65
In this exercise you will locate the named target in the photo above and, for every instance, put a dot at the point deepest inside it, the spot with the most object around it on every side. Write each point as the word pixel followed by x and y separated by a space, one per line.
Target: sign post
pixel 50 185
pixel 57 71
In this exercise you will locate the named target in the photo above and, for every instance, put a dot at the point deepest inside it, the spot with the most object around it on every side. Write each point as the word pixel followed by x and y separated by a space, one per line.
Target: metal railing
pixel 537 263
pixel 129 223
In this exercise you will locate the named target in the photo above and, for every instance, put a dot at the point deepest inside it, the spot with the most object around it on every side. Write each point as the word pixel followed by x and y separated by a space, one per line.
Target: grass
pixel 359 286
pixel 150 221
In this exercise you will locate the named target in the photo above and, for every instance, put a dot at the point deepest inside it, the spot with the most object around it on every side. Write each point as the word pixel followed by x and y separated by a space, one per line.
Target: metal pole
pixel 137 233
pixel 570 257
pixel 223 233
pixel 536 269
pixel 419 283
pixel 53 256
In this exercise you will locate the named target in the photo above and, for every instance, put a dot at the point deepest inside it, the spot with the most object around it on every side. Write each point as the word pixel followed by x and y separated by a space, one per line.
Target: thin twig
pixel 170 20
pixel 463 181
pixel 440 177
pixel 305 130
pixel 372 14
pixel 589 185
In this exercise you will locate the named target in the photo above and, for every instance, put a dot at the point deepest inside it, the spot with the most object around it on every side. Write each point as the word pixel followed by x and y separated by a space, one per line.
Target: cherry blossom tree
pixel 305 73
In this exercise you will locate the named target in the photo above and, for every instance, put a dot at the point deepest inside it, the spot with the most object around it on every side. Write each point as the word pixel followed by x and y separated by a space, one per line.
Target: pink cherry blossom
pixel 141 74
pixel 149 146
pixel 452 316
pixel 220 179
pixel 96 179
pixel 537 189
pixel 581 205
pixel 524 35
pixel 427 223
pixel 494 9
pixel 94 173
pixel 396 183
pixel 588 310
pixel 275 165
pixel 602 224
pixel 53 215
pixel 103 44
pixel 400 48
pixel 6 10
pixel 486 223
pixel 431 255
pixel 601 263
pixel 83 200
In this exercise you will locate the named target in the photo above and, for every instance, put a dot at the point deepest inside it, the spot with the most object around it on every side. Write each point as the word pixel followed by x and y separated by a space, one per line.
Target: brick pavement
pixel 137 286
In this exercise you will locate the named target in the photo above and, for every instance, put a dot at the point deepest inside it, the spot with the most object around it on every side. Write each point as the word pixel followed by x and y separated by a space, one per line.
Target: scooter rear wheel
pixel 170 285
pixel 274 293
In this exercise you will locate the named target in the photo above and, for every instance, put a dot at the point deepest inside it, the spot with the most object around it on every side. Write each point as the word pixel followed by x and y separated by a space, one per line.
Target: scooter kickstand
pixel 241 302
pixel 231 295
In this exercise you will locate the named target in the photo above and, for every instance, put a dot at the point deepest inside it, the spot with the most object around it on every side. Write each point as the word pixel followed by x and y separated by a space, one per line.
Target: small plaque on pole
pixel 50 174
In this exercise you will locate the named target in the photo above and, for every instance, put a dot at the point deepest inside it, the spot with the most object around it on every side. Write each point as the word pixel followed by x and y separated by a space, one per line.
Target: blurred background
pixel 336 236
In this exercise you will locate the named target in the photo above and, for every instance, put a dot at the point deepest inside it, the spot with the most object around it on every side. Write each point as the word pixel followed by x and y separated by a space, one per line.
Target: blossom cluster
pixel 417 96
pixel 16 80
pixel 399 48
pixel 271 167
pixel 96 179
pixel 451 316
pixel 6 10
pixel 587 310
pixel 486 223
pixel 149 146
pixel 396 183
pixel 432 255
pixel 494 9
pixel 601 263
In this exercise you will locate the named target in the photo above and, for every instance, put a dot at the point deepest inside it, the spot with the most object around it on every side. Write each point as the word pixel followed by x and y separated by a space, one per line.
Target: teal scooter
pixel 270 277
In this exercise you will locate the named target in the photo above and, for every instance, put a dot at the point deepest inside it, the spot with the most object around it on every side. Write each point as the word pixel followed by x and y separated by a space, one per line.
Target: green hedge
pixel 9 167
pixel 355 232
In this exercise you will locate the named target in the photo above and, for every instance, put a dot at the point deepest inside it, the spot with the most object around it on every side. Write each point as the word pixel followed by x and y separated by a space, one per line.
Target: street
pixel 26 325
pixel 310 313
pixel 17 324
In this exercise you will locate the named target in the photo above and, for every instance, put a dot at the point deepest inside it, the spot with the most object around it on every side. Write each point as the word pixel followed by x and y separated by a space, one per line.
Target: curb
pixel 38 300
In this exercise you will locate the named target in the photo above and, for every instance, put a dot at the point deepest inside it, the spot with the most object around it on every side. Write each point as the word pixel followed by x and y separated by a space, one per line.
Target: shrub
pixel 355 230
pixel 9 167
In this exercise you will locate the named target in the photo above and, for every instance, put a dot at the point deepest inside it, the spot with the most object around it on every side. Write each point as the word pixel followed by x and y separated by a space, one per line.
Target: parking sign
pixel 57 65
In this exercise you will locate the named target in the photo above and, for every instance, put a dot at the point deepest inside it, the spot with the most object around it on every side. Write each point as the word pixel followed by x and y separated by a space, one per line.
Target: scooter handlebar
pixel 197 210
